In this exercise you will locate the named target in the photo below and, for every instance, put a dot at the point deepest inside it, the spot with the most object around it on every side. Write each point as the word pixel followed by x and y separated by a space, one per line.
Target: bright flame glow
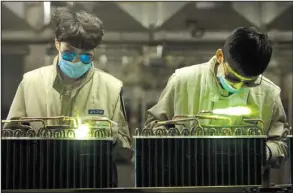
pixel 233 111
pixel 82 131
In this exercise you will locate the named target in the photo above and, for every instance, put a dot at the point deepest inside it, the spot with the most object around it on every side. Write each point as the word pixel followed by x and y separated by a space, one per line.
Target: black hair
pixel 78 28
pixel 248 51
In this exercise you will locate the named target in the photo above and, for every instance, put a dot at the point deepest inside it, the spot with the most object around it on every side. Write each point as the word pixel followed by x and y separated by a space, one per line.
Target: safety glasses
pixel 70 56
pixel 234 79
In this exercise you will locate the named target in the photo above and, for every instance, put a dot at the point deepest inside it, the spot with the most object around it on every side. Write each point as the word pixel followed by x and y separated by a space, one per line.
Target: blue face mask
pixel 74 70
pixel 226 85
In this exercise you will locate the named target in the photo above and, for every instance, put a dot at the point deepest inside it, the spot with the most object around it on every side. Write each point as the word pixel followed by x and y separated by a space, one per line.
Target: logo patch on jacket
pixel 95 111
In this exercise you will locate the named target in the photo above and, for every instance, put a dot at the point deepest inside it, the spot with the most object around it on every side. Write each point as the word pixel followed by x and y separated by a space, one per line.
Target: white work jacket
pixel 195 88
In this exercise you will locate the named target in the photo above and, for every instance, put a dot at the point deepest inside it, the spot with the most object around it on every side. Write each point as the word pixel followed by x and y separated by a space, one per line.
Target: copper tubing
pixel 202 117
pixel 214 117
pixel 73 119
pixel 257 120
pixel 188 116
pixel 98 119
pixel 65 118
pixel 181 116
pixel 175 121
pixel 252 131
pixel 22 120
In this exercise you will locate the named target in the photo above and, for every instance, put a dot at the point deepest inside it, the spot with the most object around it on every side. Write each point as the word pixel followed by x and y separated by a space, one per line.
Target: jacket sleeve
pixel 164 109
pixel 122 147
pixel 17 108
pixel 277 135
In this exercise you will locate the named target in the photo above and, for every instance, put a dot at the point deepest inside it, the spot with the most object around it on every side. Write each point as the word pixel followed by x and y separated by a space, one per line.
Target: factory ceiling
pixel 217 18
pixel 283 22
pixel 164 16
pixel 11 21
pixel 113 17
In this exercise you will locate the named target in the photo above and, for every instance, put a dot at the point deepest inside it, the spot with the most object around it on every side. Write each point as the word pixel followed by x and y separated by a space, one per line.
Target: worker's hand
pixel 268 153
pixel 114 131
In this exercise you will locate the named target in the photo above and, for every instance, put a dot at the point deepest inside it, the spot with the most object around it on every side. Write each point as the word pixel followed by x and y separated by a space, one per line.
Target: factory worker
pixel 232 78
pixel 72 86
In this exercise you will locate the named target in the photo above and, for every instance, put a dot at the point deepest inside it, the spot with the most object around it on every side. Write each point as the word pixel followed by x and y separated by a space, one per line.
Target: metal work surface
pixel 283 188
pixel 290 137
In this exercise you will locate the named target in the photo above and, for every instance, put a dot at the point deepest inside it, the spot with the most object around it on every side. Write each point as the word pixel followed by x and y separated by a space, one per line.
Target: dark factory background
pixel 144 43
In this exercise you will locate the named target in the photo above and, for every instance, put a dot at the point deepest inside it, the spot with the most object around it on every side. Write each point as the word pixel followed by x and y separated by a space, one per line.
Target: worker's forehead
pixel 67 46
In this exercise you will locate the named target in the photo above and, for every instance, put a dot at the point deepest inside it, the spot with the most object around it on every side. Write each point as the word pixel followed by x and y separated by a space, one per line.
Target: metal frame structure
pixel 47 36
pixel 55 156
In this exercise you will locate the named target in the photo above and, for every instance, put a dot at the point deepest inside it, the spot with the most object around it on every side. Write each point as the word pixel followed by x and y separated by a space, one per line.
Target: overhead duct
pixel 151 14
pixel 18 8
pixel 208 5
pixel 135 37
pixel 47 12
pixel 12 21
pixel 277 36
pixel 261 13
pixel 198 11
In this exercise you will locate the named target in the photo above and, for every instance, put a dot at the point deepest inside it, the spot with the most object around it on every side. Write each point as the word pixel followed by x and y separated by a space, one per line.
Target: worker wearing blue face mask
pixel 73 62
pixel 72 86
pixel 68 66
pixel 232 78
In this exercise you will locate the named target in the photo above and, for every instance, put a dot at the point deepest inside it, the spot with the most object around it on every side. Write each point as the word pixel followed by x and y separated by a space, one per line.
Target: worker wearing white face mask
pixel 71 86
pixel 232 78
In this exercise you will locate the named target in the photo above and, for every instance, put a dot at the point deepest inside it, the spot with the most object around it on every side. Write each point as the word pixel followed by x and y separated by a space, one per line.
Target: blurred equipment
pixel 202 155
pixel 58 156
pixel 195 31
pixel 290 138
